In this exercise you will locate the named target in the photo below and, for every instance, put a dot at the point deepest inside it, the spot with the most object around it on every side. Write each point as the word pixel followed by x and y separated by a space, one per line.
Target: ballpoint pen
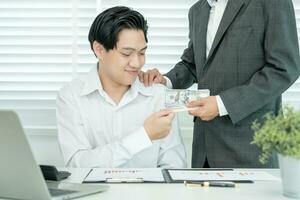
pixel 124 180
pixel 210 184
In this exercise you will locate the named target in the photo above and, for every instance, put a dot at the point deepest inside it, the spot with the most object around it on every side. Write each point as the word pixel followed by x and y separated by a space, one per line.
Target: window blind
pixel 40 42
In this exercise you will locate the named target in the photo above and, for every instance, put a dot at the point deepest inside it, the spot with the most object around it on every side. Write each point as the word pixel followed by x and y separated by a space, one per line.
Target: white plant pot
pixel 290 175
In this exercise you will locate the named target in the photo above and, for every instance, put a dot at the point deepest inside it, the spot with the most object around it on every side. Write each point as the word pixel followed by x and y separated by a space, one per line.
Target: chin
pixel 127 82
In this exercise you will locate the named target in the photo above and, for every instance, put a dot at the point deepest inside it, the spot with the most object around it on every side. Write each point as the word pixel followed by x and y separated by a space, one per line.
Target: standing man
pixel 246 52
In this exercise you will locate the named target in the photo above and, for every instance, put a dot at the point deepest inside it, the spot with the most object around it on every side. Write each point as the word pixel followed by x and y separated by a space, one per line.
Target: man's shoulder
pixel 159 89
pixel 73 87
pixel 155 90
pixel 198 4
pixel 279 4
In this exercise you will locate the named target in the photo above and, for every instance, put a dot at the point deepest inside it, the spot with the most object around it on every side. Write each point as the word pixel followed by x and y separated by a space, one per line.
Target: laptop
pixel 20 175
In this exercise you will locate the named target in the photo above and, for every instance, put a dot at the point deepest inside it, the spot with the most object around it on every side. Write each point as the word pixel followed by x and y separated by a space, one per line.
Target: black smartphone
pixel 51 173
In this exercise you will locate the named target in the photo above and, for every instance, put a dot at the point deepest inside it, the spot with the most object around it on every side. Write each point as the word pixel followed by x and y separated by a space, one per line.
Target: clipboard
pixel 123 175
pixel 170 179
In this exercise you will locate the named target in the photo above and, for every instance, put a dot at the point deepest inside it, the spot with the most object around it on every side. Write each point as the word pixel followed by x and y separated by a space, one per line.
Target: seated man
pixel 108 118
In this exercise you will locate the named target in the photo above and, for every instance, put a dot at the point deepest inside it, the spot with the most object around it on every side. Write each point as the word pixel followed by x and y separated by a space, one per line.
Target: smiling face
pixel 122 64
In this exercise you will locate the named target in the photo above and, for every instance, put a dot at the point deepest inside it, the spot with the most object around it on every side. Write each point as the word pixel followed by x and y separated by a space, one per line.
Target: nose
pixel 136 61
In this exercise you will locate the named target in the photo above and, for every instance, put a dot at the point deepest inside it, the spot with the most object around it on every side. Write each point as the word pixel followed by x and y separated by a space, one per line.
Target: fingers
pixel 146 79
pixel 199 112
pixel 158 79
pixel 197 103
pixel 151 76
pixel 141 76
pixel 171 116
pixel 168 115
pixel 164 112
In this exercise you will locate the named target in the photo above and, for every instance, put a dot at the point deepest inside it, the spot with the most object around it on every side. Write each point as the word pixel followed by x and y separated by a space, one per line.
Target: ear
pixel 99 50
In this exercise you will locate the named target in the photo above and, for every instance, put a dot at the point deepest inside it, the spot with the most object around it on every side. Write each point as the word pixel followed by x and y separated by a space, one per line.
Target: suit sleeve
pixel 183 75
pixel 281 67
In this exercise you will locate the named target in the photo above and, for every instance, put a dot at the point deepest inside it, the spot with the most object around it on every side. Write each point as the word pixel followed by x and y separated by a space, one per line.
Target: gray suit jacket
pixel 253 60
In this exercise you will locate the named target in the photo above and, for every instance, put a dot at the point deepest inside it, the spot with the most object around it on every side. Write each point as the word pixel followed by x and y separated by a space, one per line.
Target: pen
pixel 210 184
pixel 222 184
pixel 124 180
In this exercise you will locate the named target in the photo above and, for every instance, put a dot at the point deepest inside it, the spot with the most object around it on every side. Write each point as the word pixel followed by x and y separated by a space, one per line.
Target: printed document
pixel 125 175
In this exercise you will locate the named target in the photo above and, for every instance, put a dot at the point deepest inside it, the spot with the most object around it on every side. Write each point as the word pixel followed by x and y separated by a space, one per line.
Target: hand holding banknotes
pixel 177 99
pixel 197 102
pixel 159 124
pixel 207 108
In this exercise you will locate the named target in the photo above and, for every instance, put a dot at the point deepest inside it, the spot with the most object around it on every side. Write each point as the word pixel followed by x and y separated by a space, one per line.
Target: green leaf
pixel 278 133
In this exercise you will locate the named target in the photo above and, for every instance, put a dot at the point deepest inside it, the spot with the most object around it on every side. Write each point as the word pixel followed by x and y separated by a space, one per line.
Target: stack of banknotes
pixel 177 99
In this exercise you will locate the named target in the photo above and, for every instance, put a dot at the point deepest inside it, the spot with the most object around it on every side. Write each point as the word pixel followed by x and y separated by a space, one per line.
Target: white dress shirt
pixel 215 17
pixel 95 132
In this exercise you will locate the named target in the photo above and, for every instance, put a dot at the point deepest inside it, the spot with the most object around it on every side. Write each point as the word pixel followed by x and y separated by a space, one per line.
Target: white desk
pixel 264 190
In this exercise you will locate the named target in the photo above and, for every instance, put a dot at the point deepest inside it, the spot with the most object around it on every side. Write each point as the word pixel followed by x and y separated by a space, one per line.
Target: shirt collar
pixel 138 87
pixel 210 2
pixel 92 83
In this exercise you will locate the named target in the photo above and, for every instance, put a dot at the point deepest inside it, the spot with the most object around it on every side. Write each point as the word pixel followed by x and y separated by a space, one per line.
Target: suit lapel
pixel 232 9
pixel 202 15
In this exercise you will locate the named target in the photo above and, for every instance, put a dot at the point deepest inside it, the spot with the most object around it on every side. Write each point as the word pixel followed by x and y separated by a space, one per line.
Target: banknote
pixel 177 99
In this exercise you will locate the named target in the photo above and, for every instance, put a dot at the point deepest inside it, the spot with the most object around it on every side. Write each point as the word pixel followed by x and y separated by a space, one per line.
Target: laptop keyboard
pixel 58 192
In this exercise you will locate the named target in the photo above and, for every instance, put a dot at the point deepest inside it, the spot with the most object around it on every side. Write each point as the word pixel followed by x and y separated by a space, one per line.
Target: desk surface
pixel 265 190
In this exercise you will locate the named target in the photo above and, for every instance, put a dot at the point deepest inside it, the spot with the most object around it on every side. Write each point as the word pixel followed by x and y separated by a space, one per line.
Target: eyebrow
pixel 132 49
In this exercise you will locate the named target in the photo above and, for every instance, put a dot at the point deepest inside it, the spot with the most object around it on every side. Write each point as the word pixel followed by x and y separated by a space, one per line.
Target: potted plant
pixel 281 134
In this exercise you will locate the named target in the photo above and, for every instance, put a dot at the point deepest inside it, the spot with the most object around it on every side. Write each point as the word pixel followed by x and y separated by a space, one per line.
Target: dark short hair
pixel 108 24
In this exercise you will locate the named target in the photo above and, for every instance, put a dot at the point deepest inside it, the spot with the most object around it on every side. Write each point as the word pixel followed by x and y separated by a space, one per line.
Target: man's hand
pixel 208 108
pixel 152 76
pixel 159 124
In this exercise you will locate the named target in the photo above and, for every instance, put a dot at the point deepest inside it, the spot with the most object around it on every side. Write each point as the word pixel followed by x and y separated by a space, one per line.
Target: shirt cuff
pixel 168 83
pixel 137 141
pixel 221 107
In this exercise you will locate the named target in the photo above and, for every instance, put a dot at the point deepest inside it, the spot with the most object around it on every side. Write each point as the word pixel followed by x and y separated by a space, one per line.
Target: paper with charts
pixel 145 174
pixel 234 175
pixel 177 99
